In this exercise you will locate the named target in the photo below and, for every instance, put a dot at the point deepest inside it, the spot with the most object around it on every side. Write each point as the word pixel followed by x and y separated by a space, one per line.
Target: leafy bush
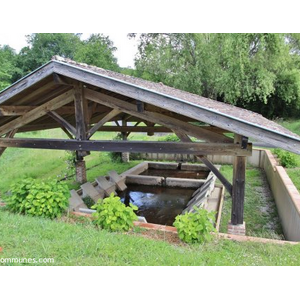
pixel 116 156
pixel 195 227
pixel 32 197
pixel 169 138
pixel 113 215
pixel 287 159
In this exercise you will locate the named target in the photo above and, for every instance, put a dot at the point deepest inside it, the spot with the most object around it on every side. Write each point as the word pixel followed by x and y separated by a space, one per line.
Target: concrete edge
pixel 286 180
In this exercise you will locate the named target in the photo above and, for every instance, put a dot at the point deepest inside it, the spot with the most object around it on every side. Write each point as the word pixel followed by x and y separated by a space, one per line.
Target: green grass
pixel 292 125
pixel 260 212
pixel 83 244
pixel 16 164
pixel 294 173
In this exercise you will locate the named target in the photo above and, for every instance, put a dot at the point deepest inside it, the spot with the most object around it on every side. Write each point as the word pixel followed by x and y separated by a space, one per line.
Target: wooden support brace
pixel 107 118
pixel 62 122
pixel 183 137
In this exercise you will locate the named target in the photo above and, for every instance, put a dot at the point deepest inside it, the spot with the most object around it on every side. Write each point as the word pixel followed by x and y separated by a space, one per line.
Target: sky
pixel 126 48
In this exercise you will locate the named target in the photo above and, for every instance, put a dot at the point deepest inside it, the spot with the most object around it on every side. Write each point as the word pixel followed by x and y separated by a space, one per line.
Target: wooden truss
pixel 93 109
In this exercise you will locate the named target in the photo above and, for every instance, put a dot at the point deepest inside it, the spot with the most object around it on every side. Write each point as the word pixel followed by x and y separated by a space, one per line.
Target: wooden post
pixel 81 115
pixel 125 155
pixel 238 186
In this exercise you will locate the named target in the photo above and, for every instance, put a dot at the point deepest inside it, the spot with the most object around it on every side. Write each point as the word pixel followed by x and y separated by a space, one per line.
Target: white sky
pixel 125 53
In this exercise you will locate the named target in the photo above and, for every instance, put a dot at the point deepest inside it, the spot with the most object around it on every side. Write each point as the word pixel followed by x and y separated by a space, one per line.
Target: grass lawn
pixel 260 212
pixel 83 244
pixel 73 243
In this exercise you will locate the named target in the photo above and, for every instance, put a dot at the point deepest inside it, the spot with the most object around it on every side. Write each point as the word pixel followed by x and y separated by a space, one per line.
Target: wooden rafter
pixel 166 121
pixel 38 112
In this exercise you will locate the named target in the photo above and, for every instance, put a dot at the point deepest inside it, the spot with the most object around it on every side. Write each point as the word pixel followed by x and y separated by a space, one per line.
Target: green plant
pixel 287 159
pixel 113 215
pixel 116 156
pixel 169 138
pixel 70 161
pixel 195 227
pixel 33 197
pixel 88 201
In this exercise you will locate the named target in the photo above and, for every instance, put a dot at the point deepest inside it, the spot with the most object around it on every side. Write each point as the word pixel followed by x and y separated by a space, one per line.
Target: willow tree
pixel 252 70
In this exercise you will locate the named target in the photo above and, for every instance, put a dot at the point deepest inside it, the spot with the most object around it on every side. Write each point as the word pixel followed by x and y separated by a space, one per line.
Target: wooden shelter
pixel 81 99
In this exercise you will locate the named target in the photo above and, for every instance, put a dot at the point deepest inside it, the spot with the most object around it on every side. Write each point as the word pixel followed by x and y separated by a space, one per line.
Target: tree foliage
pixel 253 70
pixel 96 50
pixel 7 66
pixel 43 46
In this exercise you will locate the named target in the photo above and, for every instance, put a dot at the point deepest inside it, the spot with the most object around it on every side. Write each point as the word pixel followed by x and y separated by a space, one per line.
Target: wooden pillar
pixel 125 155
pixel 81 116
pixel 238 187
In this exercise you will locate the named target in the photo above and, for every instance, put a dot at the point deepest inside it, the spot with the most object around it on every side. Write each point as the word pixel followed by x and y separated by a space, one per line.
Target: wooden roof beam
pixel 128 146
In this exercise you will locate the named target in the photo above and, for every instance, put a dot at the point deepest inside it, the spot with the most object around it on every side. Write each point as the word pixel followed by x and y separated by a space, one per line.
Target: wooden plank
pixel 105 119
pixel 89 189
pixel 118 180
pixel 107 186
pixel 238 189
pixel 127 146
pixel 62 122
pixel 183 107
pixel 164 120
pixel 38 112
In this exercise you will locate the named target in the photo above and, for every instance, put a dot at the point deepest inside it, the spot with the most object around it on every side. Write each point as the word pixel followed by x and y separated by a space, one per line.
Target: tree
pixel 98 51
pixel 43 46
pixel 249 70
pixel 7 66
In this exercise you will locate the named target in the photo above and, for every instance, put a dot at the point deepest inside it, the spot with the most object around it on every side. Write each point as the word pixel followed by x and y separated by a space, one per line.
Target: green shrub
pixel 169 138
pixel 116 156
pixel 287 159
pixel 33 197
pixel 111 214
pixel 195 227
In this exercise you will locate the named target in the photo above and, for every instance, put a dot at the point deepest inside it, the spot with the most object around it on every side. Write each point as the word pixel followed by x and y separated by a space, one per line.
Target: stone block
pixel 239 229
